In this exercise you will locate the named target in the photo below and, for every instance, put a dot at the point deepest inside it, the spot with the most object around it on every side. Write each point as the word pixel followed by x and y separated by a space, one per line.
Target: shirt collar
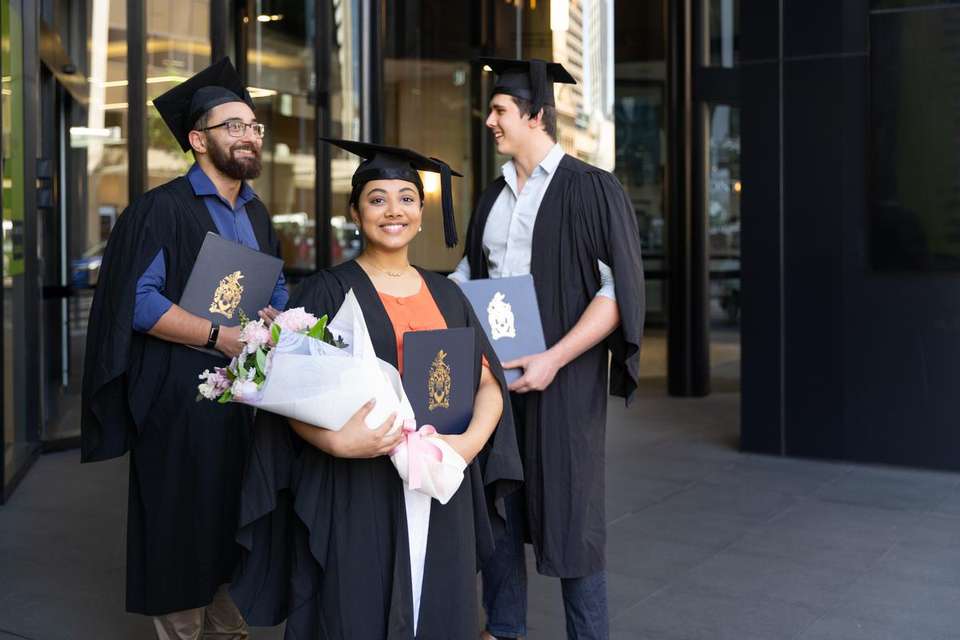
pixel 203 186
pixel 548 165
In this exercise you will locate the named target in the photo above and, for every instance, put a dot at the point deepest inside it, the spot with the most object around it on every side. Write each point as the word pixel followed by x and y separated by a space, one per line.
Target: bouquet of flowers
pixel 321 373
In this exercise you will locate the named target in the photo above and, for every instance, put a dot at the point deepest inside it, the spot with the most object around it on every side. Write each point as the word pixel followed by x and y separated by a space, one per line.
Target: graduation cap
pixel 382 162
pixel 530 80
pixel 182 105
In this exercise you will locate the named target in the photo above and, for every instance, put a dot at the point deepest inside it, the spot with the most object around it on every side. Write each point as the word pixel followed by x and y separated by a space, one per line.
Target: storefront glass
pixel 280 77
pixel 178 45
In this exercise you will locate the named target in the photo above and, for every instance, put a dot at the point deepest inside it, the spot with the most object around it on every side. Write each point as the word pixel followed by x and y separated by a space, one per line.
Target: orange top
pixel 418 312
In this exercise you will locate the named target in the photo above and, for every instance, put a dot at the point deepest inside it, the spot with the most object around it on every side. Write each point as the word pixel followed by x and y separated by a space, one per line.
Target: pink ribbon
pixel 418 450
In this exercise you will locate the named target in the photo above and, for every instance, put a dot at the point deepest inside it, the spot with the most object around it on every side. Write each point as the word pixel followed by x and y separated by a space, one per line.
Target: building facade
pixel 81 139
pixel 814 138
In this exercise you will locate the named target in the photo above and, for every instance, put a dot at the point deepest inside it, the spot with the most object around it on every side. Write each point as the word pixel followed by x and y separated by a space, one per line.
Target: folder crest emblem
pixel 500 317
pixel 439 383
pixel 227 297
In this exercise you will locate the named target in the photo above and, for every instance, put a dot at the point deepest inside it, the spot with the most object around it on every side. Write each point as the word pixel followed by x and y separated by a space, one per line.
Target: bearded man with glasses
pixel 140 377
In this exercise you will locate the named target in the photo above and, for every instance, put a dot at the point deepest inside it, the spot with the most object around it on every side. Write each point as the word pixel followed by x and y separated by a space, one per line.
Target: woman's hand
pixel 355 439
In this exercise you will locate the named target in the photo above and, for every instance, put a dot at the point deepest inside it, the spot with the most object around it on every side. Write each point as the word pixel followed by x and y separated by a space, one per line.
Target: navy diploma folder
pixel 439 377
pixel 226 278
pixel 508 311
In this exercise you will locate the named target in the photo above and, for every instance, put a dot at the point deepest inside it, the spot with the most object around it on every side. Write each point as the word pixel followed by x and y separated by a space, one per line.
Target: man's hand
pixel 228 341
pixel 268 315
pixel 539 370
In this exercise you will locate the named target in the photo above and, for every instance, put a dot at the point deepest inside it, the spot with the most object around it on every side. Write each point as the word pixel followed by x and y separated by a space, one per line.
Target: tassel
pixel 446 198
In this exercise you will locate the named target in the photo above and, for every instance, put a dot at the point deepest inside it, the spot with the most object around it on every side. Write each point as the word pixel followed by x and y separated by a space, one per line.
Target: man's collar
pixel 203 186
pixel 549 163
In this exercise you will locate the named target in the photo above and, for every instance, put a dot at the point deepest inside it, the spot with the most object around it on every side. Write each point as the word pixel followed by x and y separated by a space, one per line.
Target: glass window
pixel 104 136
pixel 16 449
pixel 428 105
pixel 178 46
pixel 640 119
pixel 344 79
pixel 914 211
pixel 640 158
pixel 723 32
pixel 579 35
pixel 907 4
pixel 723 210
pixel 280 77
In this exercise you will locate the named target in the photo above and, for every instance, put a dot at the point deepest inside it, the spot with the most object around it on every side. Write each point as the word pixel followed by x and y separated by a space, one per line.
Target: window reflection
pixel 105 136
pixel 723 32
pixel 914 214
pixel 723 206
pixel 579 35
pixel 428 105
pixel 723 210
pixel 178 46
pixel 344 83
pixel 280 78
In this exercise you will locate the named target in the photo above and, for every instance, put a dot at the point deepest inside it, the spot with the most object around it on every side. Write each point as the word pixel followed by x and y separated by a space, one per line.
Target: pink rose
pixel 254 335
pixel 296 320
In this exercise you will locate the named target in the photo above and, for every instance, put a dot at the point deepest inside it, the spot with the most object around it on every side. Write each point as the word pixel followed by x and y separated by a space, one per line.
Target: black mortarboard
pixel 382 162
pixel 182 105
pixel 530 80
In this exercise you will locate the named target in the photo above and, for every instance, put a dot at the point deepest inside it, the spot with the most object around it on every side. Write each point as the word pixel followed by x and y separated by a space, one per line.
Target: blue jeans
pixel 505 589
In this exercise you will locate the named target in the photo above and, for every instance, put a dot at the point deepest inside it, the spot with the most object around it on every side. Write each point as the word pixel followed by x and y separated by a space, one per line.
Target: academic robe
pixel 325 538
pixel 584 216
pixel 139 395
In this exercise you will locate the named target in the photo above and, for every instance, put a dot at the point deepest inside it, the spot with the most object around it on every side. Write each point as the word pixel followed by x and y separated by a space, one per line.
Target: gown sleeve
pixel 285 518
pixel 108 422
pixel 618 238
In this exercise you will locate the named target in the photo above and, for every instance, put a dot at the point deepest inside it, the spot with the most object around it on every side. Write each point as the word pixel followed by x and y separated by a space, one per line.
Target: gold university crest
pixel 227 297
pixel 438 383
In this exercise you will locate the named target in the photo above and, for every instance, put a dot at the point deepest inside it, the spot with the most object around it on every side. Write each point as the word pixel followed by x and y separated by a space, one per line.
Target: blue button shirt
pixel 232 223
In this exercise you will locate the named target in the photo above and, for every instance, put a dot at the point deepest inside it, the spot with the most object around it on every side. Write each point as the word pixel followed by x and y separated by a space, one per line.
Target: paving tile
pixel 691 613
pixel 627 493
pixel 704 542
pixel 658 561
pixel 886 597
pixel 746 503
pixel 844 626
pixel 891 488
pixel 846 536
pixel 748 577
pixel 786 475
pixel 664 523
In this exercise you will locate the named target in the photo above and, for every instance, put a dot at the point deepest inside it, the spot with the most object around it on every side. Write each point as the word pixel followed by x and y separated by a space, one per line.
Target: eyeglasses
pixel 238 128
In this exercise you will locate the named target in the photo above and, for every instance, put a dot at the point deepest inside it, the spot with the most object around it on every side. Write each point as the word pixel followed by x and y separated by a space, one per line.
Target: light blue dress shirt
pixel 232 223
pixel 508 235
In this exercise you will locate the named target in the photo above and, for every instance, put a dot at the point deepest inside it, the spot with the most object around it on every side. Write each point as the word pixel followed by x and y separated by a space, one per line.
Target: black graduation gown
pixel 584 216
pixel 325 538
pixel 139 395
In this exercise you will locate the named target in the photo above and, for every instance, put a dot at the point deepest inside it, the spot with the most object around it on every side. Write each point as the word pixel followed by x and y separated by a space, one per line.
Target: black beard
pixel 226 163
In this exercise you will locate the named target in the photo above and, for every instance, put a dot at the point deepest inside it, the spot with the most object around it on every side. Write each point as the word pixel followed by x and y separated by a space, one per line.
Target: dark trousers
pixel 505 588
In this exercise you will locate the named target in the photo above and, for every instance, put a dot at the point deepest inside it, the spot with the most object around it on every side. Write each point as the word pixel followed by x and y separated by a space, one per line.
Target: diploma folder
pixel 507 310
pixel 439 377
pixel 228 277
